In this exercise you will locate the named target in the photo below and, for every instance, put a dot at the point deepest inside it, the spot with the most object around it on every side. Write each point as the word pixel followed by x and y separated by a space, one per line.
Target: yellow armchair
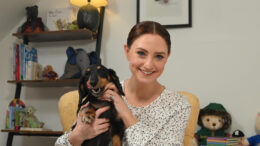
pixel 68 104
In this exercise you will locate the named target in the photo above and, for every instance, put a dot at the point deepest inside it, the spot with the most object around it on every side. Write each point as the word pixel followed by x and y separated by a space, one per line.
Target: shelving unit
pixel 51 36
pixel 61 35
pixel 46 83
pixel 11 134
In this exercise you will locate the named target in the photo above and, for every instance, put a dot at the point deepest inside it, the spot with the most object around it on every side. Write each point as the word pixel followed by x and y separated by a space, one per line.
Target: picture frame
pixel 172 14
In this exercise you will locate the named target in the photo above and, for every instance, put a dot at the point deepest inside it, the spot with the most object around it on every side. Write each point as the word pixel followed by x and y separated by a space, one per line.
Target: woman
pixel 152 114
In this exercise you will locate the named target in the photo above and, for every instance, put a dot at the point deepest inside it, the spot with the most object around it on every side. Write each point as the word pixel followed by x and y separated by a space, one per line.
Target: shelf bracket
pixel 18 90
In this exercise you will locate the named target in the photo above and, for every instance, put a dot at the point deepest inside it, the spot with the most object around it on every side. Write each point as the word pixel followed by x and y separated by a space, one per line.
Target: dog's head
pixel 95 79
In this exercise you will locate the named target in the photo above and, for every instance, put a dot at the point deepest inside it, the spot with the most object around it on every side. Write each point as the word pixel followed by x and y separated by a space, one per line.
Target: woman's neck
pixel 141 94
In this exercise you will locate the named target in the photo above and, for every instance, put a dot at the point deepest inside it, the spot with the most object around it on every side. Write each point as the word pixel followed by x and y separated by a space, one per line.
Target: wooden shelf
pixel 34 133
pixel 46 83
pixel 63 35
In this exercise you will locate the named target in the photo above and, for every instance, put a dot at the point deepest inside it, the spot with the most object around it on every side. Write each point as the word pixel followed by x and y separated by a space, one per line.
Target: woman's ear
pixel 126 49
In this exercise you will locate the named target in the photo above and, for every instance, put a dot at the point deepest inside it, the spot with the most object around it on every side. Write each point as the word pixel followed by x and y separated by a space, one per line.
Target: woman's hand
pixel 111 94
pixel 84 132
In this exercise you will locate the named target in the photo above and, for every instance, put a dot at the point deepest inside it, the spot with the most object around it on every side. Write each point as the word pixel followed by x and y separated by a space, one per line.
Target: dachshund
pixel 91 86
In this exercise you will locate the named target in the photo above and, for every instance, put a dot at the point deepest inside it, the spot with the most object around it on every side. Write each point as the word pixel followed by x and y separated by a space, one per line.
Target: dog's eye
pixel 207 120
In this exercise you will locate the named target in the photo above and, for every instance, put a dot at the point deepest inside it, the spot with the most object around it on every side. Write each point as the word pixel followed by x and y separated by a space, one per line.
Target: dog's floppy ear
pixel 83 90
pixel 115 80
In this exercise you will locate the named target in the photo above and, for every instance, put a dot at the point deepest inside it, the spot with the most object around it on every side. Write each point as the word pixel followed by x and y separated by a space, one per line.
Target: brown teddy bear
pixel 213 120
pixel 49 74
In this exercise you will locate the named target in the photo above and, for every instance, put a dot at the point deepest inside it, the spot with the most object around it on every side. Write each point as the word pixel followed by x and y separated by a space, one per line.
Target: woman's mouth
pixel 146 72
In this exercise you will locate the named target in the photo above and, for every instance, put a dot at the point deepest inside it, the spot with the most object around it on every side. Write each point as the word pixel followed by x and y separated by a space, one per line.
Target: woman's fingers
pixel 85 105
pixel 102 126
pixel 111 86
pixel 101 131
pixel 101 121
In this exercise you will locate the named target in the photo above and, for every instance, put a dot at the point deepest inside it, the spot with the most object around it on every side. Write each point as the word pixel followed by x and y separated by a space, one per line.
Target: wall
pixel 217 60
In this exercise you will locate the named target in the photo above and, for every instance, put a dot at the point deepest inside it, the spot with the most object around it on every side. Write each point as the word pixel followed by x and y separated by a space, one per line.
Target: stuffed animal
pixel 213 120
pixel 33 22
pixel 77 63
pixel 240 135
pixel 49 74
pixel 254 140
pixel 30 120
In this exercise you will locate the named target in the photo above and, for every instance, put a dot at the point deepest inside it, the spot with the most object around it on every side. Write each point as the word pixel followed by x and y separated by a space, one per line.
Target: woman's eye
pixel 140 53
pixel 159 57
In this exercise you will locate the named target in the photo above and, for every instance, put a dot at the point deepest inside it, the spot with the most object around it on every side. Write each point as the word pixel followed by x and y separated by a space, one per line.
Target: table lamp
pixel 88 15
pixel 96 3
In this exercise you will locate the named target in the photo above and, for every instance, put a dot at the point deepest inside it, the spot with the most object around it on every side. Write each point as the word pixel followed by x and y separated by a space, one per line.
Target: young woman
pixel 152 114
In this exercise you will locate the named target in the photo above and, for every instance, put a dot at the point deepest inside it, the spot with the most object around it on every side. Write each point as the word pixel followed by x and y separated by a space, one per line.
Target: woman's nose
pixel 148 64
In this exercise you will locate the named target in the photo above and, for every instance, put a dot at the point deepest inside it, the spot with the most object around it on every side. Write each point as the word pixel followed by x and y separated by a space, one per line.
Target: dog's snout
pixel 93 78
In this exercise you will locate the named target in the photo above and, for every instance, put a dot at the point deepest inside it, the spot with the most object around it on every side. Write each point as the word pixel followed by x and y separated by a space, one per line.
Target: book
pixel 7 119
pixel 16 61
pixel 19 115
pixel 60 18
pixel 222 141
pixel 21 58
pixel 30 58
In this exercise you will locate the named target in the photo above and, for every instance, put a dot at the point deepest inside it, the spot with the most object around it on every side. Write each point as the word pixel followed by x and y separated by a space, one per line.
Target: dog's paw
pixel 87 115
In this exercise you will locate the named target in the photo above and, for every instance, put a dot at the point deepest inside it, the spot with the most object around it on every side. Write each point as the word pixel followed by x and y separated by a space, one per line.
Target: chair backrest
pixel 68 104
pixel 192 124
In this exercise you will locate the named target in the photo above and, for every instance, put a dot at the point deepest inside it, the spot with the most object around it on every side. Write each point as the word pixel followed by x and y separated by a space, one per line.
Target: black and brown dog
pixel 91 87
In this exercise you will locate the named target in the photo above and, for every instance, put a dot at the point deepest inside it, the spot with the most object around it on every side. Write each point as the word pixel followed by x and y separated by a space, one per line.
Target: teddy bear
pixel 254 140
pixel 48 73
pixel 33 22
pixel 30 120
pixel 213 120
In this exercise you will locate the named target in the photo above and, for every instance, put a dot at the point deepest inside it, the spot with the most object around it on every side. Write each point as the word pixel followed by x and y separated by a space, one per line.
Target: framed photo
pixel 169 13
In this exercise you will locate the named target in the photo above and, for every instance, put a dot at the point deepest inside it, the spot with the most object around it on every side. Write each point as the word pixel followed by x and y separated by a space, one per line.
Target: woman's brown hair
pixel 149 27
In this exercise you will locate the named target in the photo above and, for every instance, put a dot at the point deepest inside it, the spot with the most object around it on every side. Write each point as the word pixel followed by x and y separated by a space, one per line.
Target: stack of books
pixel 222 141
pixel 25 62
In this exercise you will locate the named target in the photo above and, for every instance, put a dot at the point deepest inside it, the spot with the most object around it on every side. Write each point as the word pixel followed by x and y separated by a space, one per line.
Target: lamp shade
pixel 96 3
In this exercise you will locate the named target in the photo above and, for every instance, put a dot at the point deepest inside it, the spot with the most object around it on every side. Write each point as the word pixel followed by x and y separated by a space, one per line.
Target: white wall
pixel 217 60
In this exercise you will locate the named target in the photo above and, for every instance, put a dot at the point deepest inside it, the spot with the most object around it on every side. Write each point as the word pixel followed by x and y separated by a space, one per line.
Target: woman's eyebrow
pixel 142 49
pixel 158 53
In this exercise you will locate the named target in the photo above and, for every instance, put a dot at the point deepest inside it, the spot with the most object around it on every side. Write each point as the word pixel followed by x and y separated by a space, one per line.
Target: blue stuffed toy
pixel 77 63
pixel 254 140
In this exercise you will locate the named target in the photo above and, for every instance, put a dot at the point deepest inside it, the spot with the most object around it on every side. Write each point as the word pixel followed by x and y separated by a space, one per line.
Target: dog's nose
pixel 214 124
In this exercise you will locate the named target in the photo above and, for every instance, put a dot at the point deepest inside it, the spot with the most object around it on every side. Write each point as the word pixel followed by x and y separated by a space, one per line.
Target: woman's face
pixel 147 57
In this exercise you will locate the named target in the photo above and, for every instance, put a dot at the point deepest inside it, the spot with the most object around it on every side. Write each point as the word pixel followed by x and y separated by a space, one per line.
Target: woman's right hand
pixel 84 132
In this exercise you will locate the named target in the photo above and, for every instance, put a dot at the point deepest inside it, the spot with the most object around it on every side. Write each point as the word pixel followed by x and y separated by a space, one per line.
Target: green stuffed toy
pixel 213 120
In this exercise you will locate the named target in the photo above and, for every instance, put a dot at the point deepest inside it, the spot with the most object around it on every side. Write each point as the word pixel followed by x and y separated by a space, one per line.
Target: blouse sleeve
pixel 63 140
pixel 168 130
pixel 172 133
